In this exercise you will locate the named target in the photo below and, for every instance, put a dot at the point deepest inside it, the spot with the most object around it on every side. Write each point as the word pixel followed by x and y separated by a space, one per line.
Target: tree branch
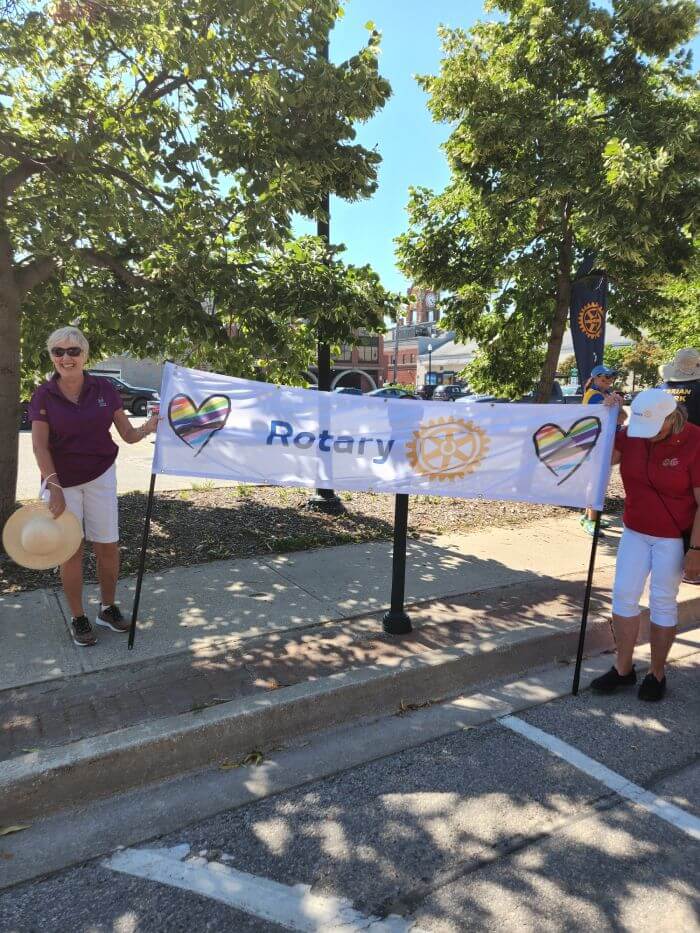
pixel 155 89
pixel 121 271
pixel 109 171
pixel 36 272
pixel 12 180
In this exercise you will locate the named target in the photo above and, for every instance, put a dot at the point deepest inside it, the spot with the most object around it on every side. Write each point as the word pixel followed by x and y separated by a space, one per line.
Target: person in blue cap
pixel 599 385
pixel 596 390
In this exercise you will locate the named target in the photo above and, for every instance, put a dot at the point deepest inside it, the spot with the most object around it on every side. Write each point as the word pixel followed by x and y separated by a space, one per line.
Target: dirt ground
pixel 207 523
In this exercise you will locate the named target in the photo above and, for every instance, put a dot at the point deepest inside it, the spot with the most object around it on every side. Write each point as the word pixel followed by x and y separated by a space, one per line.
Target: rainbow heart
pixel 196 425
pixel 563 452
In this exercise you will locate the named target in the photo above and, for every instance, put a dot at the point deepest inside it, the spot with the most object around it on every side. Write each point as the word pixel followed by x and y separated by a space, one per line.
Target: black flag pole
pixel 142 562
pixel 396 621
pixel 586 605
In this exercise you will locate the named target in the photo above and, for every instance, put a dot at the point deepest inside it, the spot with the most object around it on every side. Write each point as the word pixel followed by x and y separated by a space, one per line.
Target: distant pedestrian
pixel 598 387
pixel 682 379
pixel 659 457
pixel 71 416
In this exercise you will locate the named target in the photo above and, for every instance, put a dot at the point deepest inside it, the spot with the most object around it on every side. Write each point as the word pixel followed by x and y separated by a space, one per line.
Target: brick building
pixel 418 326
pixel 359 364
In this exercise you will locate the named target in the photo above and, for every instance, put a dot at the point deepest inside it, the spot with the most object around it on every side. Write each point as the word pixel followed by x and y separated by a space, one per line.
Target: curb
pixel 36 784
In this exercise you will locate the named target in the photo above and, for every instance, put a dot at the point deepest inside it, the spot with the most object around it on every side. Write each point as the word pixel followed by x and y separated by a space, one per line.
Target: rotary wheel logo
pixel 447 449
pixel 590 320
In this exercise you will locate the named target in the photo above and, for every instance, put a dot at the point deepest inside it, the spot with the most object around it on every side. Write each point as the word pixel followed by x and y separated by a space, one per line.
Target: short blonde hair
pixel 678 419
pixel 68 333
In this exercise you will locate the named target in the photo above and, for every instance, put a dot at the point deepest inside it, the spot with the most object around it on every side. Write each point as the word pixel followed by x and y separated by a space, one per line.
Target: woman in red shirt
pixel 659 457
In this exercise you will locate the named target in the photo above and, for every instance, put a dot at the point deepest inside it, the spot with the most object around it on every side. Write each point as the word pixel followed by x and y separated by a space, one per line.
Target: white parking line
pixel 294 908
pixel 674 815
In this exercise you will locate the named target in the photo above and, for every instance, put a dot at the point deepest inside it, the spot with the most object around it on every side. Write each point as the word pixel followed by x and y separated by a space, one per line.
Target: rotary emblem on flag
pixel 447 449
pixel 590 320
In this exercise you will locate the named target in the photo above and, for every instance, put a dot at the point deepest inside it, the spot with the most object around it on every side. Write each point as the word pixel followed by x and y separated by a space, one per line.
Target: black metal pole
pixel 324 500
pixel 142 561
pixel 396 621
pixel 586 605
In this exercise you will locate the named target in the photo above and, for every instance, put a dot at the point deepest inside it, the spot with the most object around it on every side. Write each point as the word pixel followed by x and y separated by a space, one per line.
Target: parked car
pixel 348 390
pixel 573 395
pixel 25 423
pixel 449 393
pixel 556 398
pixel 471 399
pixel 426 392
pixel 134 398
pixel 392 392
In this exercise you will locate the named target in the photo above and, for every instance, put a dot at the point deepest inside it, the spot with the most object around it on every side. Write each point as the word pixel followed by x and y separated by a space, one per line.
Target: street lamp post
pixel 324 500
pixel 430 364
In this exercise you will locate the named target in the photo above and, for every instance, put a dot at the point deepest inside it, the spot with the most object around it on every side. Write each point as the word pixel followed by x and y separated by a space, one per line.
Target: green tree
pixel 149 153
pixel 567 367
pixel 642 361
pixel 294 296
pixel 575 130
pixel 617 358
pixel 676 322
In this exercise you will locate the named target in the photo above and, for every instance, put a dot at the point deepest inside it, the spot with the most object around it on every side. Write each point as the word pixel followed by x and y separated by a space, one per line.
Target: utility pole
pixel 324 500
pixel 396 350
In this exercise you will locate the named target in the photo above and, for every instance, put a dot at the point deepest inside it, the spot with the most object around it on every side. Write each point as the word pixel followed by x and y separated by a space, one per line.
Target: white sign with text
pixel 252 432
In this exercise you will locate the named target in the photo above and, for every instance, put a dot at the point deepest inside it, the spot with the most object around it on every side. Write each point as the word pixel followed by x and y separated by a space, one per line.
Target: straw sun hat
pixel 684 368
pixel 33 538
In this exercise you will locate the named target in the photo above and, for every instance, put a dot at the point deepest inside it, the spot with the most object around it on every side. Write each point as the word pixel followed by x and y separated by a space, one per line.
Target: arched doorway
pixel 355 378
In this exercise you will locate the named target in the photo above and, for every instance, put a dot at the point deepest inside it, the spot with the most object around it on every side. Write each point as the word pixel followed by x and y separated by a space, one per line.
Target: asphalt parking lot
pixel 479 829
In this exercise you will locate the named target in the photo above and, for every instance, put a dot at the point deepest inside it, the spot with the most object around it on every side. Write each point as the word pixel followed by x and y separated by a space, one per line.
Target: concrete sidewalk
pixel 241 654
pixel 206 609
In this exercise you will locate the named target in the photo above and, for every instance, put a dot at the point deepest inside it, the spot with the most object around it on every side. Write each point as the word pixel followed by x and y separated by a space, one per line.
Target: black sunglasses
pixel 71 351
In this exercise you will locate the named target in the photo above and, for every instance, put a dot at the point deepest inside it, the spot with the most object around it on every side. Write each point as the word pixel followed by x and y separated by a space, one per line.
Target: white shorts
pixel 638 556
pixel 95 505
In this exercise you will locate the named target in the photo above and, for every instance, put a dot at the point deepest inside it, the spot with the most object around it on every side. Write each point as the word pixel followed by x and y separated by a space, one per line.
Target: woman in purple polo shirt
pixel 71 416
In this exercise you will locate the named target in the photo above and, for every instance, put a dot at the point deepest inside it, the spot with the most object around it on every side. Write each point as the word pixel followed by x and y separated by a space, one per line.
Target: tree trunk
pixel 561 309
pixel 9 395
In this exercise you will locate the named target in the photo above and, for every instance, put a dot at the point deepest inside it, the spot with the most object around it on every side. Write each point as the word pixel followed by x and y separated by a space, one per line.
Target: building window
pixel 367 348
pixel 345 353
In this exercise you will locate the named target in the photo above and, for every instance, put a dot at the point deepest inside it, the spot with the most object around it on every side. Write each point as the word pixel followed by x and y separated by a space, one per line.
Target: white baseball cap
pixel 648 412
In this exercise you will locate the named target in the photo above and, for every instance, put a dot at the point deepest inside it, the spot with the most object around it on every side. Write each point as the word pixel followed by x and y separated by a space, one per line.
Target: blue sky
pixel 403 131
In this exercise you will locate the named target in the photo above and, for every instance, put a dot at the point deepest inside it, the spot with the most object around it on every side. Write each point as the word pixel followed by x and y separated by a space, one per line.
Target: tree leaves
pixel 561 133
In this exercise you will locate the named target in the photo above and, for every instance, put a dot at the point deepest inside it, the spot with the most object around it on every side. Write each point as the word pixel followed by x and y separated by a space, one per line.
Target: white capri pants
pixel 95 506
pixel 638 556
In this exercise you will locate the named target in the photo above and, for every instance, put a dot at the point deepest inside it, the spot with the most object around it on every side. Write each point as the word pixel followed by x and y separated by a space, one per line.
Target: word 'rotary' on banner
pixel 253 432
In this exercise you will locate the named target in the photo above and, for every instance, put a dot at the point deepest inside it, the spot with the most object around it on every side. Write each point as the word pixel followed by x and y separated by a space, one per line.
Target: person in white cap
pixel 659 457
pixel 682 380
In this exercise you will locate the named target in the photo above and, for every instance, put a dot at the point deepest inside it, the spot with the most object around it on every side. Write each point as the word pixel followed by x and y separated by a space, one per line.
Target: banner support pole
pixel 586 605
pixel 396 621
pixel 142 561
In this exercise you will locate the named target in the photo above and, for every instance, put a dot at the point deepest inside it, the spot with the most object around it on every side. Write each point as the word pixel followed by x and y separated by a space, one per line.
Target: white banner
pixel 226 428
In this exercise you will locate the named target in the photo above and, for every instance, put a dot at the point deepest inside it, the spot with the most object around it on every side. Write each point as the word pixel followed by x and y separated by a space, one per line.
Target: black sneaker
pixel 652 689
pixel 111 617
pixel 83 634
pixel 610 682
